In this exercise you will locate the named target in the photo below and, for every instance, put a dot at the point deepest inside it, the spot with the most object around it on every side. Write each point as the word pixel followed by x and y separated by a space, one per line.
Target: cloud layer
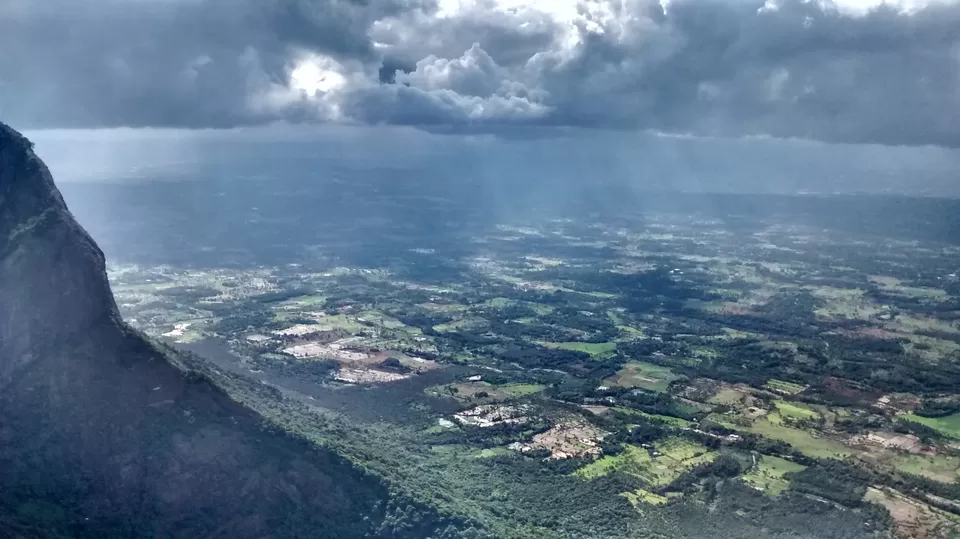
pixel 780 68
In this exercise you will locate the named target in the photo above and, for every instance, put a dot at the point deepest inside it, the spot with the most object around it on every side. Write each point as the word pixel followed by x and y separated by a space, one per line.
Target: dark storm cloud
pixel 788 68
pixel 165 62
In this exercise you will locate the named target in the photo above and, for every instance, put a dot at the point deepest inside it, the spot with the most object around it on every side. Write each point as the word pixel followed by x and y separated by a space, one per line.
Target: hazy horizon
pixel 640 161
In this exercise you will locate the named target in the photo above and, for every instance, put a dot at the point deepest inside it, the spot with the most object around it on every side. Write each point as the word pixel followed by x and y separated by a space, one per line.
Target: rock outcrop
pixel 102 435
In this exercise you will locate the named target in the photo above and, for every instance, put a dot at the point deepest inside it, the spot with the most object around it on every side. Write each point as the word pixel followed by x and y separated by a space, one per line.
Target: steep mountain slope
pixel 102 435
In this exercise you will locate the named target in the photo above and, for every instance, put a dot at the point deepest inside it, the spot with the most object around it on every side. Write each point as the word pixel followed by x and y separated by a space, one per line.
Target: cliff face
pixel 52 283
pixel 102 436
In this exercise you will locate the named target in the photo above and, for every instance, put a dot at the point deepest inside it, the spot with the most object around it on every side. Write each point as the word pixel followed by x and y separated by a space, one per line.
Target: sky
pixel 853 72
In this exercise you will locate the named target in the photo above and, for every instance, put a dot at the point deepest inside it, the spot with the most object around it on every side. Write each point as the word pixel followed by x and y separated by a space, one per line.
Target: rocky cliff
pixel 102 435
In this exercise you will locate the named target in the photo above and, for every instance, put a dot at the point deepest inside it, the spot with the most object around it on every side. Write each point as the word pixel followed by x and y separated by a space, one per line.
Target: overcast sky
pixel 850 72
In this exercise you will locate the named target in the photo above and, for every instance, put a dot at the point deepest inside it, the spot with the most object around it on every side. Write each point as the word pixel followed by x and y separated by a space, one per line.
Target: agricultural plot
pixel 807 441
pixel 645 496
pixel 730 396
pixel 780 335
pixel 670 420
pixel 941 467
pixel 914 519
pixel 596 349
pixel 948 425
pixel 767 475
pixel 643 375
pixel 312 301
pixel 657 466
pixel 484 391
pixel 782 387
pixel 843 303
pixel 519 390
pixel 472 324
pixel 792 410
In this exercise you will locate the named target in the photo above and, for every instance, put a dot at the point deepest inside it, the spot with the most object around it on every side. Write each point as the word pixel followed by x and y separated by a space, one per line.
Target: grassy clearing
pixel 463 391
pixel 616 318
pixel 446 308
pixel 302 301
pixel 483 391
pixel 731 334
pixel 844 303
pixel 645 496
pixel 806 441
pixel 519 390
pixel 803 440
pixel 768 474
pixel 670 458
pixel 896 286
pixel 884 281
pixel 607 464
pixel 456 325
pixel 499 303
pixel 626 330
pixel 914 323
pixel 643 375
pixel 794 410
pixel 379 319
pixel 631 333
pixel 540 308
pixel 602 295
pixel 781 386
pixel 728 397
pixel 947 425
pixel 492 452
pixel 596 349
pixel 339 321
pixel 943 468
pixel 704 352
pixel 191 335
pixel 912 518
pixel 670 420
pixel 929 348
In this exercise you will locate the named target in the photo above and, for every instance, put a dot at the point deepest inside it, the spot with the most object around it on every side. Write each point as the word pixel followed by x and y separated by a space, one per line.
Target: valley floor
pixel 605 378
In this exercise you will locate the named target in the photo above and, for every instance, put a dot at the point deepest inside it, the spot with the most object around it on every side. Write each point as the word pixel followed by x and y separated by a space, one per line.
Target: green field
pixel 463 324
pixel 540 308
pixel 499 303
pixel 643 375
pixel 314 300
pixel 781 386
pixel 943 468
pixel 341 321
pixel 768 474
pixel 670 420
pixel 728 397
pixel 616 318
pixel 645 496
pixel 493 452
pixel 519 390
pixel 592 348
pixel 675 456
pixel 947 425
pixel 803 440
pixel 793 410
pixel 467 391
